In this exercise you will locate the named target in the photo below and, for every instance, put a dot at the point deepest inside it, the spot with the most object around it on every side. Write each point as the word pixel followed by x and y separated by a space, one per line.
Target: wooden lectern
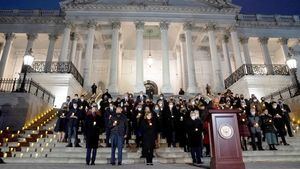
pixel 225 143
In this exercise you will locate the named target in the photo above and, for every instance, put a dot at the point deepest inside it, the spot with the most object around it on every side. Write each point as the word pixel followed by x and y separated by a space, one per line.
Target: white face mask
pixel 171 105
pixel 252 113
pixel 149 117
pixel 161 98
pixel 156 108
pixel 139 109
pixel 274 106
pixel 193 117
pixel 75 107
pixel 255 100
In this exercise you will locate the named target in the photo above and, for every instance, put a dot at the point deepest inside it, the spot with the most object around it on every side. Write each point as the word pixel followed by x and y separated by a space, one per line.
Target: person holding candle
pixel 119 129
pixel 61 123
pixel 149 134
pixel 92 131
pixel 73 123
pixel 243 125
pixel 194 128
pixel 269 129
pixel 254 122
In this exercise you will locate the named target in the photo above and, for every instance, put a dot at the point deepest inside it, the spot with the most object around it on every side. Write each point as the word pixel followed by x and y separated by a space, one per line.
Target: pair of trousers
pixel 72 133
pixel 259 141
pixel 171 139
pixel 196 153
pixel 107 136
pixel 116 142
pixel 148 154
pixel 88 155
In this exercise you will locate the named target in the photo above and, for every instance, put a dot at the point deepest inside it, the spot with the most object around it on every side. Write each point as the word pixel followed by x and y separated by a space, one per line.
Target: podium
pixel 225 143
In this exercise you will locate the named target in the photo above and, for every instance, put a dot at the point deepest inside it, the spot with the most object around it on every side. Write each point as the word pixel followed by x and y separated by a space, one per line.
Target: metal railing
pixel 255 69
pixel 285 93
pixel 13 85
pixel 56 67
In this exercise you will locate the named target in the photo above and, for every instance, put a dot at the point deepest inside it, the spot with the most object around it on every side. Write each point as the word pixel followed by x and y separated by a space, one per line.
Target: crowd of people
pixel 182 122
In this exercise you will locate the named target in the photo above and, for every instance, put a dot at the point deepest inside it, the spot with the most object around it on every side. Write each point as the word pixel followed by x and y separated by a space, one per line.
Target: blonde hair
pixel 147 113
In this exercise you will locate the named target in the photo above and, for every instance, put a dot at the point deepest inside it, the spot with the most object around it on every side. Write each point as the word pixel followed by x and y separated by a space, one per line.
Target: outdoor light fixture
pixel 292 65
pixel 28 61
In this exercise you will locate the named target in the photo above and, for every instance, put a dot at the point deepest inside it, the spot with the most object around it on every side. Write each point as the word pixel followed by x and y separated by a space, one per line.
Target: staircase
pixel 38 144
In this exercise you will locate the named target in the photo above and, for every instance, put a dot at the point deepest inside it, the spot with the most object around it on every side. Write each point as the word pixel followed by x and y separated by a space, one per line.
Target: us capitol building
pixel 161 45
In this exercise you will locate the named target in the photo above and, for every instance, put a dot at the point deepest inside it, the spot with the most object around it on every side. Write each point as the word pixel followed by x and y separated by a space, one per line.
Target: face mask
pixel 139 109
pixel 255 100
pixel 75 98
pixel 193 117
pixel 156 108
pixel 171 105
pixel 274 106
pixel 252 113
pixel 82 100
pixel 68 100
pixel 75 107
pixel 161 98
pixel 148 117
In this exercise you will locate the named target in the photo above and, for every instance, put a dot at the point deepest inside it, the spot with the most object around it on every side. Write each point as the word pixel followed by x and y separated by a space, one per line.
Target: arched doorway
pixel 151 88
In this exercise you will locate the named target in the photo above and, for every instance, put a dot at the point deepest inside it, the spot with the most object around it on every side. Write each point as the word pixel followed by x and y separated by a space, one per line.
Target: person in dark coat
pixel 243 125
pixel 109 112
pixel 194 128
pixel 141 97
pixel 269 129
pixel 171 126
pixel 181 92
pixel 61 123
pixel 119 129
pixel 149 134
pixel 286 116
pixel 92 130
pixel 278 114
pixel 138 115
pixel 254 123
pixel 106 95
pixel 94 88
pixel 73 117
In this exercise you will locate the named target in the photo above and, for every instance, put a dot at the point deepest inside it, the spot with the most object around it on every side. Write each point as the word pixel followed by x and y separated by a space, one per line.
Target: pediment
pixel 213 4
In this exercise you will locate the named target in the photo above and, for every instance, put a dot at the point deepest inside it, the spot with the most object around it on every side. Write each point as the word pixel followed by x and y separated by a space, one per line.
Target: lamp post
pixel 292 64
pixel 28 60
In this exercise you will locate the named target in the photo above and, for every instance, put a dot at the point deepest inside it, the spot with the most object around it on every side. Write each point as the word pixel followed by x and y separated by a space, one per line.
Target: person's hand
pixel 125 136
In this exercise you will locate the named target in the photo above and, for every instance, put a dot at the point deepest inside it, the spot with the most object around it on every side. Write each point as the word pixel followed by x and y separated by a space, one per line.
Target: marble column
pixel 89 56
pixel 65 44
pixel 184 71
pixel 236 48
pixel 218 85
pixel 50 52
pixel 113 73
pixel 31 37
pixel 178 66
pixel 9 37
pixel 284 47
pixel 74 39
pixel 166 82
pixel 139 51
pixel 79 57
pixel 192 84
pixel 266 54
pixel 226 55
pixel 244 42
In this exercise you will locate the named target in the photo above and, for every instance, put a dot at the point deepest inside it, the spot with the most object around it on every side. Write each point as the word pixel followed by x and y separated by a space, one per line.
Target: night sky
pixel 283 7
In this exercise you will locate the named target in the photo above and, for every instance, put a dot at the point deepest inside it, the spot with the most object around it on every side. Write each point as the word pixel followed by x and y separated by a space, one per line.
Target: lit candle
pixel 73 114
pixel 270 121
pixel 243 120
pixel 172 116
pixel 94 123
pixel 196 129
pixel 115 122
pixel 150 124
pixel 181 118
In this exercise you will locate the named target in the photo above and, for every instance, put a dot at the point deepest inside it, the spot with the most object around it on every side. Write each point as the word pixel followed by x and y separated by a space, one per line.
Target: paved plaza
pixel 256 165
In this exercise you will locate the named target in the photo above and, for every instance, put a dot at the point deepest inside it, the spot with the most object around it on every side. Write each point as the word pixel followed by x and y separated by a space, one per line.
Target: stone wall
pixel 294 104
pixel 18 108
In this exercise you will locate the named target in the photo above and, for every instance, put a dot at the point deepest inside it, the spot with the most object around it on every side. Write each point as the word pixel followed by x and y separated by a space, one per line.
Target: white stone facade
pixel 104 34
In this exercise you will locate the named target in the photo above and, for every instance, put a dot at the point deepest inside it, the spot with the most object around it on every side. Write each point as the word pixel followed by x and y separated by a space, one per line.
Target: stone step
pixel 99 160
pixel 69 155
pixel 271 158
pixel 270 153
pixel 65 150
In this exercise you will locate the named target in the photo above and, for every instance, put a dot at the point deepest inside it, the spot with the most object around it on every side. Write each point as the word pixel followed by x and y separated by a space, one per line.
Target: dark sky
pixel 283 7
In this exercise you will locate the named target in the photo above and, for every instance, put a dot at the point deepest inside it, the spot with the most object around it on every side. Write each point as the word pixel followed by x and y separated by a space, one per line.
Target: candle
pixel 196 129
pixel 94 123
pixel 150 124
pixel 181 118
pixel 243 120
pixel 172 116
pixel 115 122
pixel 73 114
pixel 270 121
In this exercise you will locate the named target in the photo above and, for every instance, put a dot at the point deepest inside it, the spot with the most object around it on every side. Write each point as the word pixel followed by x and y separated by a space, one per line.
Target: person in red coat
pixel 243 125
pixel 206 142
